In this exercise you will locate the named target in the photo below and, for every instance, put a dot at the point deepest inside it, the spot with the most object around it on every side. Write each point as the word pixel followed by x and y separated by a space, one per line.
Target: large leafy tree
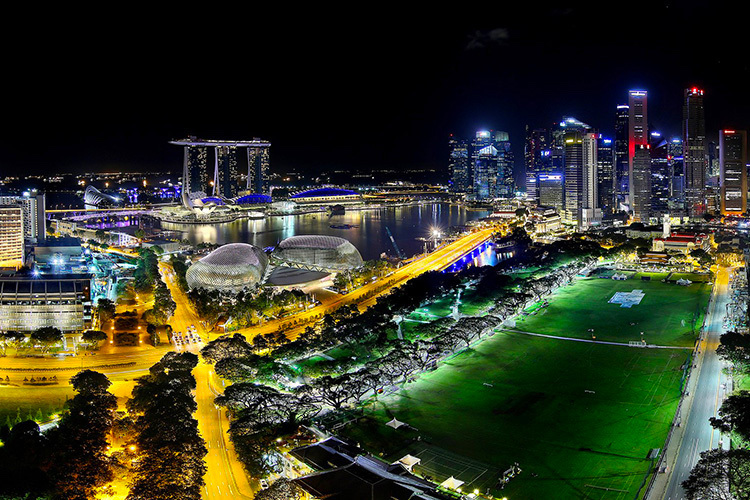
pixel 106 310
pixel 735 347
pixel 734 416
pixel 79 464
pixel 94 337
pixel 22 456
pixel 11 338
pixel 720 475
pixel 47 336
pixel 170 462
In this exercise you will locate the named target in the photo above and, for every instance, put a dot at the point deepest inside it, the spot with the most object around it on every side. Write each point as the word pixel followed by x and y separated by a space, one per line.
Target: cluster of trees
pixel 73 462
pixel 355 278
pixel 164 305
pixel 46 337
pixel 723 474
pixel 67 462
pixel 170 450
pixel 247 308
pixel 180 272
pixel 146 271
pixel 105 310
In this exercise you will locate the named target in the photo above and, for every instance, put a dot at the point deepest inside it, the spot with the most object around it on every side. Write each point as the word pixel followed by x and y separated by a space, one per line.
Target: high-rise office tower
pixel 674 151
pixel 33 206
pixel 661 175
pixel 622 182
pixel 492 165
pixel 551 191
pixel 537 160
pixel 459 165
pixel 640 182
pixel 694 150
pixel 483 154
pixel 11 236
pixel 605 173
pixel 637 130
pixel 505 187
pixel 713 165
pixel 590 213
pixel 258 167
pixel 733 161
pixel 573 177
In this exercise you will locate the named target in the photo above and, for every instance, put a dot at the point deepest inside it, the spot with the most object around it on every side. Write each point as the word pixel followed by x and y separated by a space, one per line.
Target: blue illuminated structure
pixel 325 192
pixel 212 199
pixel 253 199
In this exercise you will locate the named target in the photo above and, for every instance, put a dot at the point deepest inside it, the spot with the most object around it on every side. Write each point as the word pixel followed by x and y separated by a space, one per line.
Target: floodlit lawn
pixel 48 399
pixel 665 315
pixel 653 276
pixel 694 277
pixel 537 411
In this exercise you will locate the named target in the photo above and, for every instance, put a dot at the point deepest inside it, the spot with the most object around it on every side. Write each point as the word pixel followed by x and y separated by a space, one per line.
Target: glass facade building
pixel 28 303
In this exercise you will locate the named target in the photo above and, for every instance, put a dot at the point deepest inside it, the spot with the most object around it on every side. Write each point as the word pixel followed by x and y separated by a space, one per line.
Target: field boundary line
pixel 589 341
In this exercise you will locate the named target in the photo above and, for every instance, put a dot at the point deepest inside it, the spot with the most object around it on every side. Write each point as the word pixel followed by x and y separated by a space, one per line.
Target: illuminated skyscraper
pixel 551 191
pixel 605 160
pixel 640 182
pixel 537 160
pixel 622 183
pixel 459 165
pixel 661 175
pixel 694 150
pixel 258 169
pixel 677 168
pixel 196 180
pixel 492 165
pixel 637 131
pixel 573 177
pixel 32 204
pixel 11 236
pixel 590 213
pixel 733 160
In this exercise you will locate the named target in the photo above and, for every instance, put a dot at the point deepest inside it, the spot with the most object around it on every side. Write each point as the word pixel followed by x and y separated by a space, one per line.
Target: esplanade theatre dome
pixel 230 268
pixel 320 251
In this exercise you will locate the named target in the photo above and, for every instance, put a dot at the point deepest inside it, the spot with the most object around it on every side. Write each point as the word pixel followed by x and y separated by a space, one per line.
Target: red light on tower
pixel 729 131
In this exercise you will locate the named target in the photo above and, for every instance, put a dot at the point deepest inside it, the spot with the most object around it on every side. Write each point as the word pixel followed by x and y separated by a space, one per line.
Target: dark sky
pixel 363 87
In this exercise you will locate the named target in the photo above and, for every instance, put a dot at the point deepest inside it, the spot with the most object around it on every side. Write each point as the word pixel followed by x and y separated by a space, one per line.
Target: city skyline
pixel 361 96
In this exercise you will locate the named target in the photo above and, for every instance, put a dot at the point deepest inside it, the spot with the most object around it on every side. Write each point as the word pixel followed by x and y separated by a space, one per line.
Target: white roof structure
pixel 408 461
pixel 395 423
pixel 452 483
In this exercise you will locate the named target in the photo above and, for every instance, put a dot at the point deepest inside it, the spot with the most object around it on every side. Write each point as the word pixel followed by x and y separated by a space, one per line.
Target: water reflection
pixel 366 227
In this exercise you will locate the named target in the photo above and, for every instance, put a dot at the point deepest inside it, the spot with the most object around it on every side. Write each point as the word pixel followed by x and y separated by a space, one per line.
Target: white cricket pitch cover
pixel 627 299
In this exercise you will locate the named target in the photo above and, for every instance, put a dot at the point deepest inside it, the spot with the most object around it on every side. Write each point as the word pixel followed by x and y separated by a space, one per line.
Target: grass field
pixel 666 314
pixel 577 417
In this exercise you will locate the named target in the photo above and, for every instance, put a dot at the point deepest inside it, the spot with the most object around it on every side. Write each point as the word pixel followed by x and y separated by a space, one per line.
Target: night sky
pixel 365 87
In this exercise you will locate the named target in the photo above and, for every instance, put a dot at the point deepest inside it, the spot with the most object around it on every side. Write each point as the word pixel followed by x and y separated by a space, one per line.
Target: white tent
pixel 395 423
pixel 408 461
pixel 451 483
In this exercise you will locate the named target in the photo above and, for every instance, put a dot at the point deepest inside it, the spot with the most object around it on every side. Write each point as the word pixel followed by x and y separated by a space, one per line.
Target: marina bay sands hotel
pixel 223 181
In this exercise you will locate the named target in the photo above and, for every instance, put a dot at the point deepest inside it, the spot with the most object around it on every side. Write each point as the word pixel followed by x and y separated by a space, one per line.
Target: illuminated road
pixel 225 478
pixel 435 261
pixel 707 393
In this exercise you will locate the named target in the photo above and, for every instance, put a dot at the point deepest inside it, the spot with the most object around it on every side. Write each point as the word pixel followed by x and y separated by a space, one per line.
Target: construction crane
pixel 393 242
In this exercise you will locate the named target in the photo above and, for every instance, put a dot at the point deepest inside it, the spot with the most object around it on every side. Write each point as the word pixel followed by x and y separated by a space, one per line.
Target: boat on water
pixel 343 226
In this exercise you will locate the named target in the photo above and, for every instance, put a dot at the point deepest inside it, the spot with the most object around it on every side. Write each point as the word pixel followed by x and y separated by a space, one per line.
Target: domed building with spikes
pixel 230 268
pixel 317 252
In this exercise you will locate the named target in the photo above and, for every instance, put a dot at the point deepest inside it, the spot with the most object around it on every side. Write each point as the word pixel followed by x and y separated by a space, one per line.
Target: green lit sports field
pixel 579 418
pixel 666 314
